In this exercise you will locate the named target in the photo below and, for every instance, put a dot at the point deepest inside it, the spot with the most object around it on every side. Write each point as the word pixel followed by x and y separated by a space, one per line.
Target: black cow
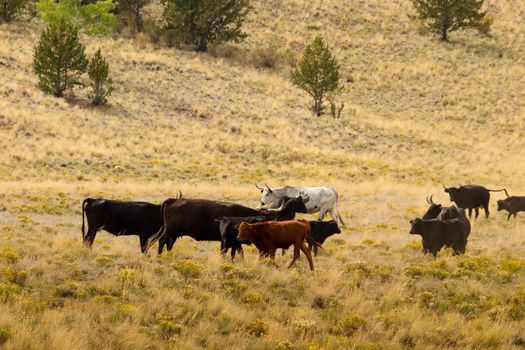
pixel 287 211
pixel 195 218
pixel 471 197
pixel 120 219
pixel 513 205
pixel 320 231
pixel 437 234
pixel 437 211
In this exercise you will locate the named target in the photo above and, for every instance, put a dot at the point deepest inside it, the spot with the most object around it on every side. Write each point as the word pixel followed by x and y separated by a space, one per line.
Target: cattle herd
pixel 272 224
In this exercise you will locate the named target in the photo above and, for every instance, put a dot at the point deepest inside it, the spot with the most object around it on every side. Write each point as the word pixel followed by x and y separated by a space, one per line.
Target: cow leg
pixel 90 237
pixel 296 250
pixel 510 214
pixel 477 212
pixel 234 250
pixel 241 252
pixel 308 254
pixel 321 215
pixel 170 243
pixel 163 240
pixel 315 250
pixel 470 213
pixel 143 244
pixel 486 208
pixel 283 252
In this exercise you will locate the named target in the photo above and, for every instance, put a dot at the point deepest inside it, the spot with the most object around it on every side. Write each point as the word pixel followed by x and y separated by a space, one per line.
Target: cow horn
pixel 268 187
pixel 431 201
pixel 259 188
pixel 180 194
pixel 426 197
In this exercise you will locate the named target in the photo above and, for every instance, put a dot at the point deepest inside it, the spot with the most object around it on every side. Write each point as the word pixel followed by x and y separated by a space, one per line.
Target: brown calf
pixel 270 235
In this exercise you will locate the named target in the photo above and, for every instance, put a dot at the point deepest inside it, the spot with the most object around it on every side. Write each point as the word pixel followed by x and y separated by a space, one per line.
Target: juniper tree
pixel 98 71
pixel 133 9
pixel 443 16
pixel 317 74
pixel 59 58
pixel 200 22
pixel 10 8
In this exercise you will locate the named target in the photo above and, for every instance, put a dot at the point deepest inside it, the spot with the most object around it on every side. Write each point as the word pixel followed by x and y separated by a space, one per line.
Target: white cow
pixel 317 199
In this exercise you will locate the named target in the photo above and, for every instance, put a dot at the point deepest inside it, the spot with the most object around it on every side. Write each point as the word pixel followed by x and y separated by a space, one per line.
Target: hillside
pixel 419 113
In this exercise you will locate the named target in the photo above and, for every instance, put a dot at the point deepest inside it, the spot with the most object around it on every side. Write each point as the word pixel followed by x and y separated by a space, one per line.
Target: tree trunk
pixel 138 20
pixel 203 44
pixel 444 31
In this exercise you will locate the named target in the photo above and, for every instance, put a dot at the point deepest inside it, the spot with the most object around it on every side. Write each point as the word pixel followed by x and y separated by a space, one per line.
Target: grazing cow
pixel 320 231
pixel 270 235
pixel 319 199
pixel 437 234
pixel 195 218
pixel 471 197
pixel 512 204
pixel 120 219
pixel 287 211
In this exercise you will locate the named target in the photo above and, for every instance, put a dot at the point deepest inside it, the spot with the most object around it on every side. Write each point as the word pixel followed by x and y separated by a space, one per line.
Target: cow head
pixel 453 192
pixel 295 204
pixel 503 205
pixel 416 226
pixel 434 209
pixel 245 232
pixel 267 196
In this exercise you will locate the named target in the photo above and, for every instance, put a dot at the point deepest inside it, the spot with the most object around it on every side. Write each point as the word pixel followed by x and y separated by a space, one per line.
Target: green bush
pixel 59 58
pixel 5 334
pixel 318 74
pixel 349 325
pixel 93 18
pixel 9 9
pixel 98 71
pixel 257 328
pixel 199 22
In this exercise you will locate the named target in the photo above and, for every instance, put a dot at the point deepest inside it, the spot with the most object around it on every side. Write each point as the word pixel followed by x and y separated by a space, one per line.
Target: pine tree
pixel 317 74
pixel 92 18
pixel 59 58
pixel 98 71
pixel 443 16
pixel 200 22
pixel 10 8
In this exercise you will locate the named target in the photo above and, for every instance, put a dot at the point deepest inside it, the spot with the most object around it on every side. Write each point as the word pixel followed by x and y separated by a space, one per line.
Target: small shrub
pixel 69 290
pixel 9 255
pixel 304 327
pixel 126 311
pixel 5 334
pixel 253 298
pixel 485 24
pixel 169 329
pixel 188 268
pixel 349 325
pixel 224 324
pixel 426 298
pixel 9 9
pixel 512 264
pixel 317 74
pixel 257 328
pixel 98 71
pixel 59 58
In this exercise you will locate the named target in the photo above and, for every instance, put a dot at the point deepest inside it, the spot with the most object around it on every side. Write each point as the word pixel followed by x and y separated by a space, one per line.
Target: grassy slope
pixel 418 113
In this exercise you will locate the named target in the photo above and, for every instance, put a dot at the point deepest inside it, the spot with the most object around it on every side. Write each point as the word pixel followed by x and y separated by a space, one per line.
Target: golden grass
pixel 418 113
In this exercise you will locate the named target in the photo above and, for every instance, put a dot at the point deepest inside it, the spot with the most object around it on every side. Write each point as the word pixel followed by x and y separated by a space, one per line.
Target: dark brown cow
pixel 270 235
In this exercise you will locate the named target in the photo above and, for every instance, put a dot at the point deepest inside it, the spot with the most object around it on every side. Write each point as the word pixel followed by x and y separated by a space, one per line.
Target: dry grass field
pixel 418 113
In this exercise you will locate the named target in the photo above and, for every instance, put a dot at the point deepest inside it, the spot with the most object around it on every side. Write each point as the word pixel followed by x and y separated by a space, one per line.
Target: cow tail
pixel 156 236
pixel 502 190
pixel 83 215
pixel 310 239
